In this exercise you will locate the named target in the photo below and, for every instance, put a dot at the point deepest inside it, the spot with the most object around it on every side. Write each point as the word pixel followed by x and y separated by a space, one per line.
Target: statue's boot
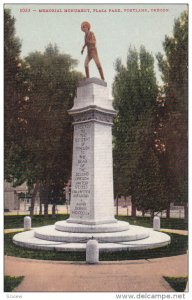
pixel 87 72
pixel 101 73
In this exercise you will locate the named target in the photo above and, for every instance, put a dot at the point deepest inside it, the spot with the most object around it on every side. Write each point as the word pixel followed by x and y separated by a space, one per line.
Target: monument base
pixel 50 238
pixel 96 228
pixel 90 222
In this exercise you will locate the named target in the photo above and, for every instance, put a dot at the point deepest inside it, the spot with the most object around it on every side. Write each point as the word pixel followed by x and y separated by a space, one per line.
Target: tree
pixel 136 164
pixel 174 115
pixel 53 84
pixel 11 71
pixel 149 187
pixel 125 102
pixel 38 130
pixel 15 105
pixel 14 99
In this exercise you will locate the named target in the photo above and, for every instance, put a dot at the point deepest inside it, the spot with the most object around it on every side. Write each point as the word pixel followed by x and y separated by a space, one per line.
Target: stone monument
pixel 92 199
pixel 92 170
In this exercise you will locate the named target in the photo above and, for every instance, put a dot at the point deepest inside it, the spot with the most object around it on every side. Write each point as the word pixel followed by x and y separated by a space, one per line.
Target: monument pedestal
pixel 92 199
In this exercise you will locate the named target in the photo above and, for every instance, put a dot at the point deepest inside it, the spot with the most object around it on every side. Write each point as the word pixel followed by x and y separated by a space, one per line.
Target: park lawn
pixel 177 283
pixel 171 223
pixel 11 282
pixel 37 221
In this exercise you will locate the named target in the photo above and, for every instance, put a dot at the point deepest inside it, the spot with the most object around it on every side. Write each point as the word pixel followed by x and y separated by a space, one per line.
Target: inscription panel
pixel 81 177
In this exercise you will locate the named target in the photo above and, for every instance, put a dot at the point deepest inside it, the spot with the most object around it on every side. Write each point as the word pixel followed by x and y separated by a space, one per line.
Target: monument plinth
pixel 92 200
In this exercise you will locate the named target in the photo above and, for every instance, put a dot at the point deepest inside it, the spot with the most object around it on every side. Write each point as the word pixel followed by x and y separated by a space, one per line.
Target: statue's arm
pixel 83 47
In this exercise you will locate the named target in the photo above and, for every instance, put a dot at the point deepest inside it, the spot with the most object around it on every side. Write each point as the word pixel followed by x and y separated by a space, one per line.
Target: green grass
pixel 17 221
pixel 10 283
pixel 179 245
pixel 148 222
pixel 177 283
pixel 13 250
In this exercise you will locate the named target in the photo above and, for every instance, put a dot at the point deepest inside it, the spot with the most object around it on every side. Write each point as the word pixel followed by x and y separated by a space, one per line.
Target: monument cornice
pixel 74 111
pixel 93 113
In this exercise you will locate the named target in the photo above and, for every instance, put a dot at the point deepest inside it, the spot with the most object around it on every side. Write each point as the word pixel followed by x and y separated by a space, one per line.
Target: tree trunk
pixel 46 202
pixel 117 205
pixel 35 190
pixel 44 198
pixel 53 211
pixel 133 210
pixel 40 209
pixel 46 206
pixel 168 212
pixel 186 213
pixel 40 206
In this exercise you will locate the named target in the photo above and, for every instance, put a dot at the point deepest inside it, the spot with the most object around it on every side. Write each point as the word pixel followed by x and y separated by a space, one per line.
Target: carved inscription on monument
pixel 81 174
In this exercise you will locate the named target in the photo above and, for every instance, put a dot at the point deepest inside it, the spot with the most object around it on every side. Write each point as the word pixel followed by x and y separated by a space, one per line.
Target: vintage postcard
pixel 96 150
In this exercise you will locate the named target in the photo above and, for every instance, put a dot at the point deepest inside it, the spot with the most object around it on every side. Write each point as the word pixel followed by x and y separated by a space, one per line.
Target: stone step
pixel 155 240
pixel 75 227
pixel 51 234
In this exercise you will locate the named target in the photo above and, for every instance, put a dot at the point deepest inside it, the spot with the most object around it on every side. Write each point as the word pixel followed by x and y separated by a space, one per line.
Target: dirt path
pixel 125 276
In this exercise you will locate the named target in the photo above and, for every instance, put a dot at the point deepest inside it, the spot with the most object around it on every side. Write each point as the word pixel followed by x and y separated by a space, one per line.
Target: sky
pixel 115 31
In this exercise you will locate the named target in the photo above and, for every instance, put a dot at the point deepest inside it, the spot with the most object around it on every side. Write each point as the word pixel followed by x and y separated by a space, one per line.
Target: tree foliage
pixel 53 82
pixel 173 112
pixel 38 130
pixel 49 129
pixel 136 164
pixel 14 97
pixel 150 132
